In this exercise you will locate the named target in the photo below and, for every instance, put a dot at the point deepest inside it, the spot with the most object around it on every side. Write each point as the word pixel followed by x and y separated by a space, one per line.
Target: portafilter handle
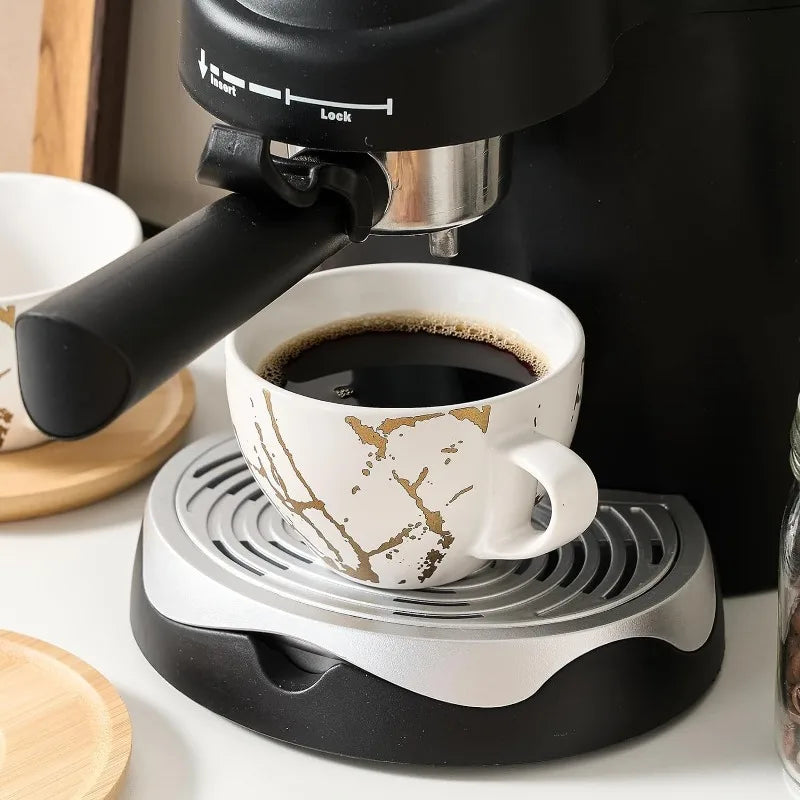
pixel 99 346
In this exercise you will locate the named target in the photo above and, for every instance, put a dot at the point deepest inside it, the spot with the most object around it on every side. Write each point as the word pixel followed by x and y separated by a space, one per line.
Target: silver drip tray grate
pixel 216 555
pixel 627 550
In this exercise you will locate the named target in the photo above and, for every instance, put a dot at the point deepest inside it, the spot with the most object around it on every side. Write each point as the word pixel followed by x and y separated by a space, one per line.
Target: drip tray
pixel 628 549
pixel 225 583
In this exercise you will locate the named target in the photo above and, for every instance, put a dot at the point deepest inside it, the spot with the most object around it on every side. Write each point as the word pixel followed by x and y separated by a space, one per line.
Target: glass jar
pixel 788 688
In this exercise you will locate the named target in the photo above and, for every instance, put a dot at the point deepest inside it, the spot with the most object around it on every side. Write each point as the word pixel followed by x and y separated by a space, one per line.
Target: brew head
pixel 437 190
pixel 430 88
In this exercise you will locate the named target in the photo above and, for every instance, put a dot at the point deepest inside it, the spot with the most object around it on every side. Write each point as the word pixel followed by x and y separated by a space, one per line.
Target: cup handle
pixel 571 486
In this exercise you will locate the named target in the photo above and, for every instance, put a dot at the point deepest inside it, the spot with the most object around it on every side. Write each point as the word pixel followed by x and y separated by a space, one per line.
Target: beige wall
pixel 164 131
pixel 20 22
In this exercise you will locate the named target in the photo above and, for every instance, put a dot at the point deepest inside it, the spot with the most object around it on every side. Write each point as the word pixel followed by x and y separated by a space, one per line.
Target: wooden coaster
pixel 59 476
pixel 65 733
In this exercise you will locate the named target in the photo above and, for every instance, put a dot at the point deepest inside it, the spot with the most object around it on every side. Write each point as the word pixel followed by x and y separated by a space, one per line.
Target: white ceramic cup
pixel 413 497
pixel 53 232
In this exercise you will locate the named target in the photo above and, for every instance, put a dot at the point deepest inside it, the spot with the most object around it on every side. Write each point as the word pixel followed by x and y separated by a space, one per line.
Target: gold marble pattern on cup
pixel 7 316
pixel 336 544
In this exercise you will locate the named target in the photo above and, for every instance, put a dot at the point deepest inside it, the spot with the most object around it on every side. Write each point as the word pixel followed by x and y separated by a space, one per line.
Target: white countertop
pixel 66 579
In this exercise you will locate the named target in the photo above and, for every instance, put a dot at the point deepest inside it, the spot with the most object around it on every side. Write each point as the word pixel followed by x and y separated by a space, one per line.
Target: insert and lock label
pixel 330 110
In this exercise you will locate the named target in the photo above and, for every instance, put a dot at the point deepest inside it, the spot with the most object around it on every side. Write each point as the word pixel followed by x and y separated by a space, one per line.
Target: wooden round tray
pixel 65 733
pixel 58 476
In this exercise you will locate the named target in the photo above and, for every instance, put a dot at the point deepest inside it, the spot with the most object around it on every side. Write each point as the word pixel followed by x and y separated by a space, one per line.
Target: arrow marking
pixel 202 64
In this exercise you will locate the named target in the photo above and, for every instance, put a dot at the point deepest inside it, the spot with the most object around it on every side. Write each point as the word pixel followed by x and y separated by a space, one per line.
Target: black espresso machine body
pixel 664 211
pixel 652 186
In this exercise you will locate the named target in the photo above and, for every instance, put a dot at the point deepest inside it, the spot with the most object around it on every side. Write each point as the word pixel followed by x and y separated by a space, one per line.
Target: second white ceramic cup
pixel 53 232
pixel 413 497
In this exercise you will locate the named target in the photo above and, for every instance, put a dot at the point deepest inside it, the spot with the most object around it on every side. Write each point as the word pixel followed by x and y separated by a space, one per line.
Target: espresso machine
pixel 636 158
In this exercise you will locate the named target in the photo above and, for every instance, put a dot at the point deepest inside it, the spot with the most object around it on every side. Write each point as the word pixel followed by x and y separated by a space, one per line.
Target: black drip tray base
pixel 604 697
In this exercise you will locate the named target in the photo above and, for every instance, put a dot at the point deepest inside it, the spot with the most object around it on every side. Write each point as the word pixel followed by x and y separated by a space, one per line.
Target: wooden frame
pixel 82 67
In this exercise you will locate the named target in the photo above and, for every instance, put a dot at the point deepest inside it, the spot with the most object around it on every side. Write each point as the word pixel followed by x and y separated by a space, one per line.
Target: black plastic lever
pixel 102 344
pixel 241 161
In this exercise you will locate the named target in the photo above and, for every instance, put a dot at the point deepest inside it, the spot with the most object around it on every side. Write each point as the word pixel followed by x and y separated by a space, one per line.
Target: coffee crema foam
pixel 273 367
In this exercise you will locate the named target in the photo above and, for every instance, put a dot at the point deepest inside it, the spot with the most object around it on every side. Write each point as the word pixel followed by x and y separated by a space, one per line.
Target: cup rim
pixel 232 353
pixel 134 232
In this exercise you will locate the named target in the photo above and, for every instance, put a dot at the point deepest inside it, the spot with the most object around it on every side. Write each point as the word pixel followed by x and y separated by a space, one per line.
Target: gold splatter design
pixel 5 424
pixel 433 519
pixel 394 541
pixel 7 315
pixel 447 461
pixel 5 415
pixel 459 494
pixel 477 416
pixel 390 425
pixel 364 571
pixel 430 564
pixel 377 439
pixel 369 436
pixel 280 489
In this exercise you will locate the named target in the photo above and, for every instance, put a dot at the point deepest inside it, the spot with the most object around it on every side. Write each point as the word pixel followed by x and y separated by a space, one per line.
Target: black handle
pixel 102 344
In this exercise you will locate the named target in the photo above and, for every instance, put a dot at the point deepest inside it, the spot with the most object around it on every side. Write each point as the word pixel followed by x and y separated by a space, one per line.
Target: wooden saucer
pixel 59 476
pixel 65 733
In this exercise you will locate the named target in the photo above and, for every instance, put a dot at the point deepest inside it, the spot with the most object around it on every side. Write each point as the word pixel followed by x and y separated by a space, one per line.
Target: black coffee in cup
pixel 403 360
